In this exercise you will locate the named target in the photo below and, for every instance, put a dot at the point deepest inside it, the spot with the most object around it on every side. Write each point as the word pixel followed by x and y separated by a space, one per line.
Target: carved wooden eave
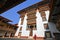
pixel 34 7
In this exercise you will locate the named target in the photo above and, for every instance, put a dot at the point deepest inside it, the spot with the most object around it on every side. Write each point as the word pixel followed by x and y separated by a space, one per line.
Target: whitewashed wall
pixel 52 28
pixel 24 31
pixel 39 23
pixel 18 29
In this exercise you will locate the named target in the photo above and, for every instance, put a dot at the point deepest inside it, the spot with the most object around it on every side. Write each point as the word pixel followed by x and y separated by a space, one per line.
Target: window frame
pixel 46 34
pixel 47 26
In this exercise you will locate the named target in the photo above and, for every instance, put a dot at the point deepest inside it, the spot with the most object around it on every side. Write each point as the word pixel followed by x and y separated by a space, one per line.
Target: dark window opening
pixel 48 34
pixel 46 26
pixel 31 26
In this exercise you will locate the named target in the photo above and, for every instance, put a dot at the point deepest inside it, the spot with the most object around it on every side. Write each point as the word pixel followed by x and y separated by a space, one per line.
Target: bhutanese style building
pixel 6 29
pixel 34 20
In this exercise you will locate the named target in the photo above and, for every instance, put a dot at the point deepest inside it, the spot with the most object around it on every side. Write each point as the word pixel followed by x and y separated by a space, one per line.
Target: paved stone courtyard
pixel 14 39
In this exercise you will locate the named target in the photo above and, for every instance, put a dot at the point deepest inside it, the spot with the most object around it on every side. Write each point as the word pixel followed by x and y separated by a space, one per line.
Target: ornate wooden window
pixel 33 27
pixel 43 18
pixel 43 15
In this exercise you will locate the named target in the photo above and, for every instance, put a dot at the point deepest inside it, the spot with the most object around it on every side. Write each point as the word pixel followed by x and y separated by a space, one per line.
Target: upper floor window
pixel 43 18
pixel 43 15
pixel 46 26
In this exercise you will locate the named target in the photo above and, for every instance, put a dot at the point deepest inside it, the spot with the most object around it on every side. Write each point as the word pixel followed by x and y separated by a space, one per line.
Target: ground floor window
pixel 48 34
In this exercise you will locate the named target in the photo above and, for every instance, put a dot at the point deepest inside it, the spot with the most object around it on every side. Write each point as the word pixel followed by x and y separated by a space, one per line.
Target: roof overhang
pixel 7 4
pixel 4 19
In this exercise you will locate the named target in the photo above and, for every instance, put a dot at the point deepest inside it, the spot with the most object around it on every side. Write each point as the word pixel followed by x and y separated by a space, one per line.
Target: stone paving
pixel 14 39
